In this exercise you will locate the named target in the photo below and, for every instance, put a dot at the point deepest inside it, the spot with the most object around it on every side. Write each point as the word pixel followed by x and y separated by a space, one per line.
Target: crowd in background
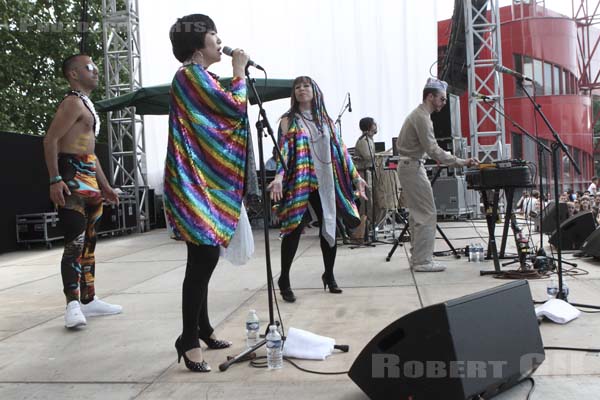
pixel 577 202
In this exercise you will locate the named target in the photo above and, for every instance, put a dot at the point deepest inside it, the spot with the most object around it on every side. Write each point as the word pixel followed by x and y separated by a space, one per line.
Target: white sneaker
pixel 98 307
pixel 433 267
pixel 73 315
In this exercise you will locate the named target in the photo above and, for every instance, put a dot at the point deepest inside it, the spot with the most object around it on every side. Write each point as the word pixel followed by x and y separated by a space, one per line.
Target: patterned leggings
pixel 78 265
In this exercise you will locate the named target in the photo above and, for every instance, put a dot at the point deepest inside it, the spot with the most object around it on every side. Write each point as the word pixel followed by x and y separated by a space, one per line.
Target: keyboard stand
pixel 491 216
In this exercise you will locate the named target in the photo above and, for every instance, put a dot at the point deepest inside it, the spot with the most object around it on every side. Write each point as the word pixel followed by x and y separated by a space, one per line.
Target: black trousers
pixel 201 262
pixel 289 245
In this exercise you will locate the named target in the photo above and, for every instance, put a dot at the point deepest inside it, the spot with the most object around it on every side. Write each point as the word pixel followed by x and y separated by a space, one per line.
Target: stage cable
pixel 572 349
pixel 532 387
pixel 261 362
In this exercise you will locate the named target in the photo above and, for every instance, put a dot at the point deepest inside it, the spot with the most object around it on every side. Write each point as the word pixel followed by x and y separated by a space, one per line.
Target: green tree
pixel 36 36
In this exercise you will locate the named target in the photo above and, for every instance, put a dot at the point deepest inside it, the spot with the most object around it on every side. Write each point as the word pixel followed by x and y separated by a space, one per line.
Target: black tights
pixel 201 262
pixel 289 245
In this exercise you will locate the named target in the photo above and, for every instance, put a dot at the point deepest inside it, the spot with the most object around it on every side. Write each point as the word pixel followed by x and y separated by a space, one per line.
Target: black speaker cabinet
pixel 549 224
pixel 110 220
pixel 476 345
pixel 574 231
pixel 591 246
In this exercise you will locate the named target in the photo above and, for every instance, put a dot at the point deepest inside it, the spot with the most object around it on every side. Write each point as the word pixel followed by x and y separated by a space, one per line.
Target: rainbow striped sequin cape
pixel 206 156
pixel 301 178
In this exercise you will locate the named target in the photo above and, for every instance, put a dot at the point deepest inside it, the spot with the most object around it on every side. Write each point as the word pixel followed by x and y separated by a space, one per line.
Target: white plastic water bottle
pixel 552 289
pixel 252 328
pixel 274 351
pixel 471 250
pixel 480 253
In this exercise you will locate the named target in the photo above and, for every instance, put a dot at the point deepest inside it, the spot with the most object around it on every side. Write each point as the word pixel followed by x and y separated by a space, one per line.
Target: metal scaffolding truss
pixel 484 51
pixel 122 63
pixel 587 16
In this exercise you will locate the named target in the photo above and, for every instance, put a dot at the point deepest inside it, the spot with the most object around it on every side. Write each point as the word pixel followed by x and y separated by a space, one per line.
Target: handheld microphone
pixel 229 52
pixel 482 96
pixel 349 103
pixel 502 69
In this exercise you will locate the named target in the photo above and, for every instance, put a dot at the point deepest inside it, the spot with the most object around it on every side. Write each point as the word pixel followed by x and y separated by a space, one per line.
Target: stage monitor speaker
pixel 574 231
pixel 476 345
pixel 591 246
pixel 549 224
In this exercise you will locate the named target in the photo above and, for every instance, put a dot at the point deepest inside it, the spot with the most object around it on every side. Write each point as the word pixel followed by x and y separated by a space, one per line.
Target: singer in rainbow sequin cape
pixel 206 156
pixel 302 180
pixel 320 172
pixel 204 171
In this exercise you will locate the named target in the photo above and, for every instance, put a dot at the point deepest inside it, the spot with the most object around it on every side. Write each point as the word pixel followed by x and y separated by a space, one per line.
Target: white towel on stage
pixel 558 311
pixel 307 345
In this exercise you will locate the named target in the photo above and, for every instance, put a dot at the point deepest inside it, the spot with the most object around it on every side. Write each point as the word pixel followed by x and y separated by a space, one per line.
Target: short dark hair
pixel 69 63
pixel 427 91
pixel 187 34
pixel 366 123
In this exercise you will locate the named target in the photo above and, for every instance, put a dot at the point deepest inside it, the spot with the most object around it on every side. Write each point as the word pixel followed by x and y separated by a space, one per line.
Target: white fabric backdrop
pixel 380 51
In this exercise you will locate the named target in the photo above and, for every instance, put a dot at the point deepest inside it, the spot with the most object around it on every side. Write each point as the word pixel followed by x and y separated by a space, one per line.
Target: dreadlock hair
pixel 317 109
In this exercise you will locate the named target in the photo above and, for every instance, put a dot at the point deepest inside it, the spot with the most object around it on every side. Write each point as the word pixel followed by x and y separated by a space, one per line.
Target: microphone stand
pixel 338 123
pixel 556 146
pixel 338 120
pixel 261 125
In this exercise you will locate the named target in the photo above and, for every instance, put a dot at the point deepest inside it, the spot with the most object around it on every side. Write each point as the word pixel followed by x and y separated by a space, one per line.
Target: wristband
pixel 55 179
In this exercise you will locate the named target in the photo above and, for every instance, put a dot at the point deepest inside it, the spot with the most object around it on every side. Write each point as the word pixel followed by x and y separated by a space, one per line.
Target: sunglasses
pixel 90 67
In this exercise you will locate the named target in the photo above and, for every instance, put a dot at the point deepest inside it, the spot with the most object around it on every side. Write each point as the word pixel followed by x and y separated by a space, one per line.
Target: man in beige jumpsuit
pixel 415 140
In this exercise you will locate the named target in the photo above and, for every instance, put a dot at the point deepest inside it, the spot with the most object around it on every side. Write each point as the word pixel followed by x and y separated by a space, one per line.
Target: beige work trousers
pixel 422 217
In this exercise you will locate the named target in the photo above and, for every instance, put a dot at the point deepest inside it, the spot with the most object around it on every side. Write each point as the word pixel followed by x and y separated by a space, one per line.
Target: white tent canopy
pixel 380 51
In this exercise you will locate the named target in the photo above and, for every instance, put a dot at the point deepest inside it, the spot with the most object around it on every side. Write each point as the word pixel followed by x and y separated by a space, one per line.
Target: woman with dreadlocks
pixel 318 171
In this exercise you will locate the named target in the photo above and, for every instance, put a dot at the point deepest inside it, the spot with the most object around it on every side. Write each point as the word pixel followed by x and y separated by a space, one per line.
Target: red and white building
pixel 559 54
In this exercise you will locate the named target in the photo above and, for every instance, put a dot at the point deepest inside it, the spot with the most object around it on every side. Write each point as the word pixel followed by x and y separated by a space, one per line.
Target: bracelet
pixel 55 179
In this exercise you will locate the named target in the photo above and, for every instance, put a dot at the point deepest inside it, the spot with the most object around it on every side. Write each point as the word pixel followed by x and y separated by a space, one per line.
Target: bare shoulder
pixel 71 104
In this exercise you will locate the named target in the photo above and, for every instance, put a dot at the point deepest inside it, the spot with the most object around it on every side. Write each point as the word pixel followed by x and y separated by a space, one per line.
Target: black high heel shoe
pixel 193 366
pixel 333 286
pixel 216 344
pixel 286 293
